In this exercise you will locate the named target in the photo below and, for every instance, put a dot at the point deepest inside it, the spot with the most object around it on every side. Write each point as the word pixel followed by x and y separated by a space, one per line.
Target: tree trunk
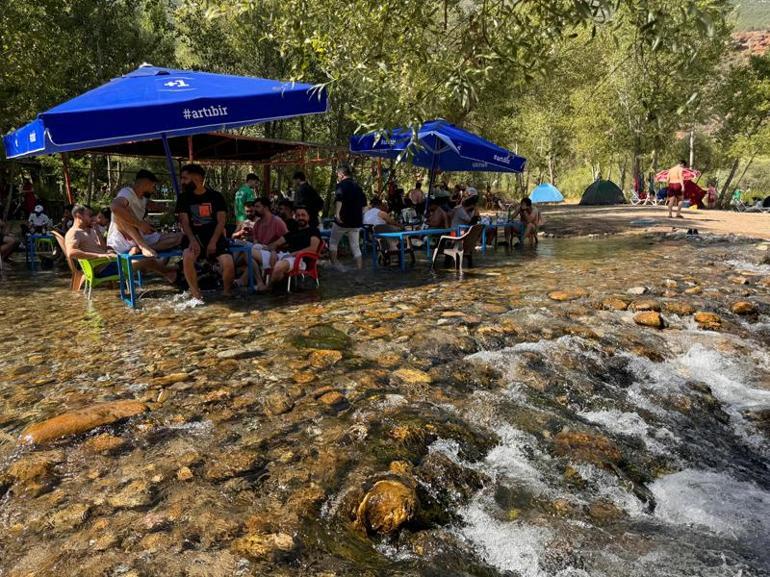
pixel 622 169
pixel 551 174
pixel 11 188
pixel 91 180
pixel 723 196
pixel 692 147
pixel 745 168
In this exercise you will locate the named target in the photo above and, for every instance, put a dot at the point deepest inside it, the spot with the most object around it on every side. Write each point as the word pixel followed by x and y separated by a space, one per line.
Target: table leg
pixel 484 241
pixel 401 251
pixel 131 288
pixel 250 269
pixel 427 246
pixel 374 250
pixel 121 279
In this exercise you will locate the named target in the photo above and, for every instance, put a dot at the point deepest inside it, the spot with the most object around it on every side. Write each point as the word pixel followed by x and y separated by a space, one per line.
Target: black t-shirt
pixel 300 238
pixel 308 197
pixel 291 224
pixel 353 202
pixel 202 210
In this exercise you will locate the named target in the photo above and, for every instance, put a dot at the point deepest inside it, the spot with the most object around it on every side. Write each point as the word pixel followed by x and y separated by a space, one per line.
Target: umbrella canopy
pixel 687 173
pixel 442 146
pixel 546 192
pixel 153 102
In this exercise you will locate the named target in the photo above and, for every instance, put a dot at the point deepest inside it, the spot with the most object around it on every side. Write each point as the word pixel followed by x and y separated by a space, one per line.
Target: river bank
pixel 516 421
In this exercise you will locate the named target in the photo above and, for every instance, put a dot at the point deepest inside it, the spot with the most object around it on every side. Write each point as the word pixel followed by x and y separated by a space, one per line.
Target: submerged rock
pixel 708 321
pixel 594 449
pixel 650 319
pixel 637 290
pixel 386 506
pixel 567 295
pixel 322 337
pixel 614 304
pixel 80 421
pixel 264 545
pixel 744 308
pixel 678 308
pixel 322 359
pixel 645 305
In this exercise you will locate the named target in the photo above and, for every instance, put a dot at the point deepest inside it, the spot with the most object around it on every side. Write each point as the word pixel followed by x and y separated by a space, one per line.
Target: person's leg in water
pixel 189 259
pixel 334 241
pixel 355 247
pixel 228 272
pixel 280 270
pixel 9 244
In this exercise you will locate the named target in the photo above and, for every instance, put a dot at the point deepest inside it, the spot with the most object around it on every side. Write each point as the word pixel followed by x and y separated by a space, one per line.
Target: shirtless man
pixel 128 231
pixel 675 186
pixel 82 241
pixel 531 219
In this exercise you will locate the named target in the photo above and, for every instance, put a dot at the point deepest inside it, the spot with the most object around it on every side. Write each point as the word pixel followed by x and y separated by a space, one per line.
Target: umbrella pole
pixel 67 182
pixel 170 163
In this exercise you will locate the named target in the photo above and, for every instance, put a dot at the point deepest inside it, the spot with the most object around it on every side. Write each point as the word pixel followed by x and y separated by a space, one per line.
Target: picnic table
pixel 32 245
pixel 402 235
pixel 129 283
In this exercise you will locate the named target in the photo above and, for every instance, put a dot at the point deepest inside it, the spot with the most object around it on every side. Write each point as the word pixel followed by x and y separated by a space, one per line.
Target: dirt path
pixel 575 220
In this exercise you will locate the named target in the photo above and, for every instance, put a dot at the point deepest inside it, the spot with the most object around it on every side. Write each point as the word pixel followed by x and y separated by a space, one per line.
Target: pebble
pixel 708 320
pixel 413 376
pixel 567 295
pixel 332 398
pixel 650 319
pixel 614 304
pixel 637 290
pixel 743 308
pixel 322 359
pixel 237 354
pixel 645 305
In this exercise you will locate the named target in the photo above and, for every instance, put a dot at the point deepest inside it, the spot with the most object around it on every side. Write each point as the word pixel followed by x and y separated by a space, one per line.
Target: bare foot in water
pixel 198 295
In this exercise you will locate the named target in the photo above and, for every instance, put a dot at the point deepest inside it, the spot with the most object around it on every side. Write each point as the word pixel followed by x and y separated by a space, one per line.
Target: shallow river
pixel 511 432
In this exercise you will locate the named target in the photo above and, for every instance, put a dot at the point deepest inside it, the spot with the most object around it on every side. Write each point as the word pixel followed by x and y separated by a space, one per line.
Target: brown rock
pixel 184 474
pixel 80 421
pixel 603 511
pixel 741 280
pixel 649 319
pixel 707 320
pixel 69 517
pixel 263 545
pixel 332 398
pixel 322 359
pixel 303 377
pixel 679 309
pixel 744 308
pixel 401 467
pixel 232 464
pixel 586 447
pixel 614 304
pixel 388 505
pixel 277 402
pixel 567 295
pixel 696 290
pixel 104 443
pixel 413 377
pixel 645 305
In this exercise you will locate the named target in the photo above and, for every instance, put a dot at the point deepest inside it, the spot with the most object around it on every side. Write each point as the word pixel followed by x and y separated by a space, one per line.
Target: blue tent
pixel 442 146
pixel 153 102
pixel 546 192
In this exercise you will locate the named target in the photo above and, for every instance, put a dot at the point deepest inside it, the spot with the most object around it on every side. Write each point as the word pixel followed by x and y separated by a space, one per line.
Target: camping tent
pixel 546 192
pixel 603 192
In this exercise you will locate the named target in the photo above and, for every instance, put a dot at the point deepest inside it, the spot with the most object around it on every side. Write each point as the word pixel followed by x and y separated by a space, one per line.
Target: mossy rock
pixel 322 337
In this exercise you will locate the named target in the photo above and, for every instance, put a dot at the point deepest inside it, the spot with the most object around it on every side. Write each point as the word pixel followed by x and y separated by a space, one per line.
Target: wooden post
pixel 189 149
pixel 67 187
pixel 379 177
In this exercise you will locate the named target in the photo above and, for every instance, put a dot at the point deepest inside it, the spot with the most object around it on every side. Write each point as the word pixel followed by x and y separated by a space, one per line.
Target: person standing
pixel 307 196
pixel 202 213
pixel 349 203
pixel 675 186
pixel 245 194
pixel 417 199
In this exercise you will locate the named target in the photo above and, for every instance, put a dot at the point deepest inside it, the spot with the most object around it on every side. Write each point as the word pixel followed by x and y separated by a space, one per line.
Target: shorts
pixel 675 190
pixel 261 255
pixel 120 244
pixel 111 269
pixel 291 259
pixel 222 247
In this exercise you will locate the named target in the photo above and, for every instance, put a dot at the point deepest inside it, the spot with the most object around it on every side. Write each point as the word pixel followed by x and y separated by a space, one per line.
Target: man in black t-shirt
pixel 349 204
pixel 202 214
pixel 305 238
pixel 307 196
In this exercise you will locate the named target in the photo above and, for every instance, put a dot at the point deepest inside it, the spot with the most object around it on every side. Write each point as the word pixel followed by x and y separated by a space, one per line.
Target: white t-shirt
pixel 135 204
pixel 372 217
pixel 39 220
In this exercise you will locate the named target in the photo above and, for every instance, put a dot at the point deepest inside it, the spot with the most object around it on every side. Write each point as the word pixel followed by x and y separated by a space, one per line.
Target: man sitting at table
pixel 82 241
pixel 465 214
pixel 202 213
pixel 531 220
pixel 267 229
pixel 128 231
pixel 305 238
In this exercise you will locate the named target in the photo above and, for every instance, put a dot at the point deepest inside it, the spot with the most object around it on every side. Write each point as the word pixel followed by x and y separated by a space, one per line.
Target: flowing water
pixel 540 437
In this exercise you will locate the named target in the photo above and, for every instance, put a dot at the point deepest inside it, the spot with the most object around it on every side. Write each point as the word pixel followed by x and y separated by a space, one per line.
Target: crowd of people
pixel 275 230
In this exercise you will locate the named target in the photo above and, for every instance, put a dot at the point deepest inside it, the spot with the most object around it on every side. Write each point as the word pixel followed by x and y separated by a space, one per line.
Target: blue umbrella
pixel 442 146
pixel 546 193
pixel 153 102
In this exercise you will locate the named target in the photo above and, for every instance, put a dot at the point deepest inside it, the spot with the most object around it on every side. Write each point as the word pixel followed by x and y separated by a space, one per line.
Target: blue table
pixel 504 225
pixel 32 241
pixel 129 283
pixel 402 235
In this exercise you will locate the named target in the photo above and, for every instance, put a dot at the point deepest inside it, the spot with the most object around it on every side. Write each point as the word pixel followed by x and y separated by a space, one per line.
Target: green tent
pixel 603 192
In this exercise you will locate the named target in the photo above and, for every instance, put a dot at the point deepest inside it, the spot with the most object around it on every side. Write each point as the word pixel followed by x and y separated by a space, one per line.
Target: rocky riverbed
pixel 596 408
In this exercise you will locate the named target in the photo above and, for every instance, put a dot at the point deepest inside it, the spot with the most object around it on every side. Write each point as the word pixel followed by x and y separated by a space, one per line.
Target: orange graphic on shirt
pixel 204 210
